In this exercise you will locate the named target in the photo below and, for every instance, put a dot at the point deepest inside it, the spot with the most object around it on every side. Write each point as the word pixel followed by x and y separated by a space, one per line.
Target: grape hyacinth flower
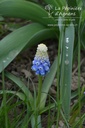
pixel 41 63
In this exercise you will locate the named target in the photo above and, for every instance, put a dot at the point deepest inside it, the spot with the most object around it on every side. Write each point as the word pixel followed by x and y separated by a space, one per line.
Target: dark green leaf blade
pixel 26 10
pixel 11 45
pixel 66 69
pixel 48 82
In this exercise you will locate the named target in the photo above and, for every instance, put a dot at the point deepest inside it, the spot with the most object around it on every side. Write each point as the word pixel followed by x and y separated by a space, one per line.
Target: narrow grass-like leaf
pixel 83 35
pixel 48 82
pixel 26 36
pixel 51 106
pixel 19 94
pixel 77 123
pixel 26 10
pixel 66 69
pixel 4 100
pixel 22 86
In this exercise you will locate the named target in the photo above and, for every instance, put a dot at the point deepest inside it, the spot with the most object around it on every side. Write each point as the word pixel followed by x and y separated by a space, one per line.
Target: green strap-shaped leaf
pixel 66 69
pixel 26 10
pixel 25 36
pixel 47 83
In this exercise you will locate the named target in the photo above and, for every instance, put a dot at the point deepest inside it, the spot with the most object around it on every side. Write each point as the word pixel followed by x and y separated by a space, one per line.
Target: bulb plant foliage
pixel 43 26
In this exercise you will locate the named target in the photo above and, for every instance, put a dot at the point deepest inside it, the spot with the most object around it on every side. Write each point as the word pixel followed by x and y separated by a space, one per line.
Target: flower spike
pixel 41 63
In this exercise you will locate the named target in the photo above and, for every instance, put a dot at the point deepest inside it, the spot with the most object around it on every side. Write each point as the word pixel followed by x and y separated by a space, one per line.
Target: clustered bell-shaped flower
pixel 41 63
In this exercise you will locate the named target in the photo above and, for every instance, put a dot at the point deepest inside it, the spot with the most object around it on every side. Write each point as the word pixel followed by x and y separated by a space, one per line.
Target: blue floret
pixel 41 67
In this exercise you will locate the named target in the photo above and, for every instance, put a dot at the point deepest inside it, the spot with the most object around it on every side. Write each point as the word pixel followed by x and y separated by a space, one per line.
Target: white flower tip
pixel 42 47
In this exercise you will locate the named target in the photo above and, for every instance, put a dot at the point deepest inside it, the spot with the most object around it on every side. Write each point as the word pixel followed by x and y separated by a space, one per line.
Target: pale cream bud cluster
pixel 42 51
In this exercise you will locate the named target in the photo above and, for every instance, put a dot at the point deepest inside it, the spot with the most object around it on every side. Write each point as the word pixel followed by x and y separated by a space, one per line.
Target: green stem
pixel 38 100
pixel 58 100
pixel 58 75
pixel 39 90
pixel 79 91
